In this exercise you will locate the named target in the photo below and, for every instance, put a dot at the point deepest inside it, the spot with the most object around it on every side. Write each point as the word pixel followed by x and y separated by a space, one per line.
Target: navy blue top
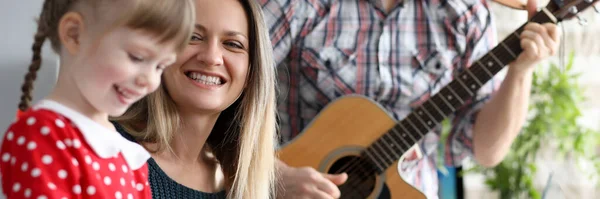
pixel 163 186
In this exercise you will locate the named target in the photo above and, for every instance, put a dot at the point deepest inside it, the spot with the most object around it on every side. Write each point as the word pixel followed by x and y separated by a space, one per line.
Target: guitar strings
pixel 353 166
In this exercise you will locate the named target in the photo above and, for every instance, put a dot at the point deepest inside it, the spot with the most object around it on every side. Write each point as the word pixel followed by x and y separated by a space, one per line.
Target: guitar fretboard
pixel 461 90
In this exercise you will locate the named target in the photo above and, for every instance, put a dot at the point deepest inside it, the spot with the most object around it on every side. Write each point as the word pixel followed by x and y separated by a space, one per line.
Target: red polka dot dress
pixel 52 151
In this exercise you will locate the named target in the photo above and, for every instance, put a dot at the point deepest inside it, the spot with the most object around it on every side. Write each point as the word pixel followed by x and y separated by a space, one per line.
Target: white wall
pixel 16 37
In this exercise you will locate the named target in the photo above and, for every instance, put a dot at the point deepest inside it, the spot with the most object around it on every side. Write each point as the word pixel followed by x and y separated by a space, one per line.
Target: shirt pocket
pixel 327 58
pixel 435 67
pixel 330 69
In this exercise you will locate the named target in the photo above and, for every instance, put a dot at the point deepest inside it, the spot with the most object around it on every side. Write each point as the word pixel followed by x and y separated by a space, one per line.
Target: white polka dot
pixel 118 195
pixel 111 166
pixel 10 135
pixel 31 146
pixel 77 189
pixel 27 193
pixel 68 142
pixel 91 190
pixel 47 159
pixel 30 121
pixel 76 143
pixel 129 196
pixel 75 162
pixel 96 166
pixel 139 187
pixel 42 197
pixel 62 174
pixel 24 166
pixel 124 168
pixel 64 198
pixel 13 160
pixel 51 186
pixel 16 187
pixel 60 123
pixel 122 181
pixel 45 130
pixel 107 180
pixel 5 157
pixel 88 159
pixel 132 183
pixel 60 145
pixel 36 172
pixel 21 140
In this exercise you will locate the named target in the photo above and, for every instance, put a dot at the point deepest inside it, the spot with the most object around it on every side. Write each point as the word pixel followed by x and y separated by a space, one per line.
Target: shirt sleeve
pixel 478 28
pixel 288 21
pixel 35 162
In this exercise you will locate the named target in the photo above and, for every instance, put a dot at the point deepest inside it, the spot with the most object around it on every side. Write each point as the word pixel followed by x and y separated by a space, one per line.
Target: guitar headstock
pixel 567 9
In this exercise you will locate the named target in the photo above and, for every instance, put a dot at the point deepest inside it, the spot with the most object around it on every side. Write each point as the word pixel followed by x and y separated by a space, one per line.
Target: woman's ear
pixel 70 29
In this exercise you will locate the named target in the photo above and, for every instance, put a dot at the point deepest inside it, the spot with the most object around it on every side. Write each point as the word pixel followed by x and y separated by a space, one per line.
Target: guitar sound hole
pixel 361 176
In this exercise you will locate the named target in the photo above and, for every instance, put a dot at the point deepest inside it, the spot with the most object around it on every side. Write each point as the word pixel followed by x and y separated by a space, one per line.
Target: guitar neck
pixel 460 91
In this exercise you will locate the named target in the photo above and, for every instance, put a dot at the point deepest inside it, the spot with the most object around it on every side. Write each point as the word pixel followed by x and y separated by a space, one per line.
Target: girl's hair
pixel 243 138
pixel 169 21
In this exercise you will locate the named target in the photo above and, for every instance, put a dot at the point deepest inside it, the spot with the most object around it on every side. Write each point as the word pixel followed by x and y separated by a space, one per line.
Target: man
pixel 398 53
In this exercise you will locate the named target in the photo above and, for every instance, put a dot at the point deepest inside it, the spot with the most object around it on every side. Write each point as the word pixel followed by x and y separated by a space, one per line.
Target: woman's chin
pixel 208 107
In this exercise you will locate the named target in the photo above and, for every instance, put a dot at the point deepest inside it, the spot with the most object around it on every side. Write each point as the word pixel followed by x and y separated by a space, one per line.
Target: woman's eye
pixel 196 38
pixel 235 45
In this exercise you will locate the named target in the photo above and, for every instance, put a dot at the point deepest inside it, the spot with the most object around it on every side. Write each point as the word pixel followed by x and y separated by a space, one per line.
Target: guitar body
pixel 343 129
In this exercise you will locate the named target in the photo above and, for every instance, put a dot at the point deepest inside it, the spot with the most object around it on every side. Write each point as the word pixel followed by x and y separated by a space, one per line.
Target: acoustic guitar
pixel 355 135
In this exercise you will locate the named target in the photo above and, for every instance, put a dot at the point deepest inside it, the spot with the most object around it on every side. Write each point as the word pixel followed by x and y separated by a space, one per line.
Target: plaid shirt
pixel 325 49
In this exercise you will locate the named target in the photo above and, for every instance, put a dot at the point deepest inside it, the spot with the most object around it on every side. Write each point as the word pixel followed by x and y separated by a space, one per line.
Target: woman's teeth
pixel 205 79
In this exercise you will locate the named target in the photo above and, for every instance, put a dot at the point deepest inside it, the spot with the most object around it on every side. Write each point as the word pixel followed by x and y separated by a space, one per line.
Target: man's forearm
pixel 501 119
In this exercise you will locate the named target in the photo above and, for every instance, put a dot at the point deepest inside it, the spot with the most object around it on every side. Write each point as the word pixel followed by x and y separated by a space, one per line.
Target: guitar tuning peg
pixel 582 21
pixel 588 1
pixel 573 10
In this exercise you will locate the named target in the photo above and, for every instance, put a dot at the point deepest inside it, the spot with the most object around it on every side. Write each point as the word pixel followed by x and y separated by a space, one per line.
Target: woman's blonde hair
pixel 243 138
pixel 169 21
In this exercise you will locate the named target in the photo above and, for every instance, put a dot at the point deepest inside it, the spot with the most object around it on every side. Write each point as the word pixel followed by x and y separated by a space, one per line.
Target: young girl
pixel 112 54
pixel 211 125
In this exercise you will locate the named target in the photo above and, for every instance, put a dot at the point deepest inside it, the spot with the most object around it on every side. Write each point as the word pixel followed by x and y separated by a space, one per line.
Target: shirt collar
pixel 105 142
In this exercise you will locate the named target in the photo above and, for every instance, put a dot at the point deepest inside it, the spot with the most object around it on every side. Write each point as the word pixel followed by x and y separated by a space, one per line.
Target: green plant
pixel 554 110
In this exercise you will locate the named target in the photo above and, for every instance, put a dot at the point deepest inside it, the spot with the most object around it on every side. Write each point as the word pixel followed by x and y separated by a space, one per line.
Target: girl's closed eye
pixel 135 58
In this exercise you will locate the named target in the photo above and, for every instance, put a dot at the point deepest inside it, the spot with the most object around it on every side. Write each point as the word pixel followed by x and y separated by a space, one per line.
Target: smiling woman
pixel 210 127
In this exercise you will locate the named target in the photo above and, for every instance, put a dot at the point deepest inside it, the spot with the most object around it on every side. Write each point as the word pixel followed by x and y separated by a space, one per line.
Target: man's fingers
pixel 321 195
pixel 529 48
pixel 553 34
pixel 327 186
pixel 337 179
pixel 531 8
